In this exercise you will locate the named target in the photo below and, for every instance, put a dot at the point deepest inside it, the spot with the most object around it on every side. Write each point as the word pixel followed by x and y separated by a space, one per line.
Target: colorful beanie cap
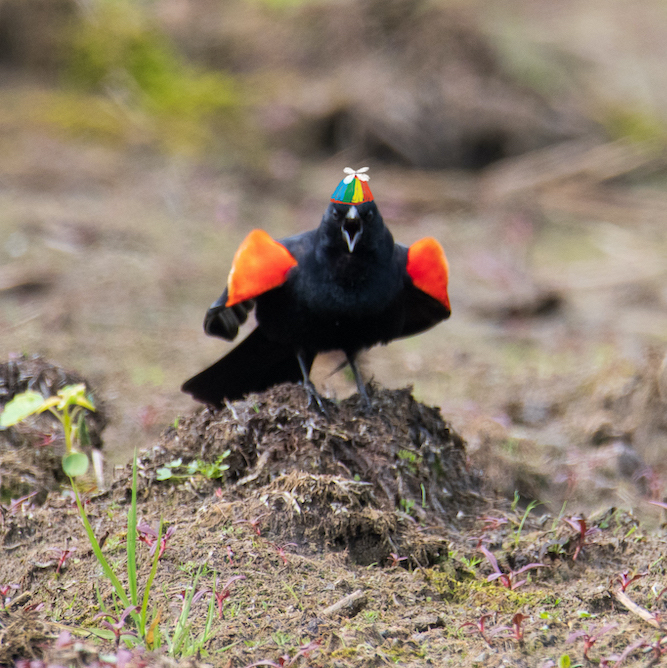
pixel 354 188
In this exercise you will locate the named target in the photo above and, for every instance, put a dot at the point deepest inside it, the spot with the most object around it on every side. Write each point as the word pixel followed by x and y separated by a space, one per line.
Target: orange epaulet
pixel 260 264
pixel 427 267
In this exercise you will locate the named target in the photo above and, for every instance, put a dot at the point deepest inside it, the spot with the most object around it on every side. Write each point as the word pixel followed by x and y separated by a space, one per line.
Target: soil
pixel 354 539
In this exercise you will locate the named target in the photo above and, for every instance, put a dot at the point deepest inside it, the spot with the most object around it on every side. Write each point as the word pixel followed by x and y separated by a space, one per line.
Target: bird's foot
pixel 361 386
pixel 366 399
pixel 316 400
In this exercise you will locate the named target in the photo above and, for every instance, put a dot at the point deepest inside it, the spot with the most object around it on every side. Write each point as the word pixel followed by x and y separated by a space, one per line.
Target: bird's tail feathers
pixel 253 366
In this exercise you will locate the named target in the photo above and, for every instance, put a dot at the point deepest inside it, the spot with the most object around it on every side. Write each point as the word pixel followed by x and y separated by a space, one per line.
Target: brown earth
pixel 348 541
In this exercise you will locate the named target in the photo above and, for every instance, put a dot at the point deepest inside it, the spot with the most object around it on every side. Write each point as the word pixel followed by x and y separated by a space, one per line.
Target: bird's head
pixel 352 222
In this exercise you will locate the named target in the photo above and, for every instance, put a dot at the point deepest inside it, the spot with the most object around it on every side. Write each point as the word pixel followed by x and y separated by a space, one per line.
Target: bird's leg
pixel 361 386
pixel 313 394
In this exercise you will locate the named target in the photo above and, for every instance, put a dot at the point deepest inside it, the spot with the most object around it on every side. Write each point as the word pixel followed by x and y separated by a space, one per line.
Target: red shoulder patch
pixel 260 264
pixel 427 267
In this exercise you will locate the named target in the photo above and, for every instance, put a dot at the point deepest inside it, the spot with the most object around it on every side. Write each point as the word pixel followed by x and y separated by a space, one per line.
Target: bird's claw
pixel 366 400
pixel 315 399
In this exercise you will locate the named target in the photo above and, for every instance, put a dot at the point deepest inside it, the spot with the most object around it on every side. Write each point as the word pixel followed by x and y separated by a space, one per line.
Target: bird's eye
pixel 335 214
pixel 369 215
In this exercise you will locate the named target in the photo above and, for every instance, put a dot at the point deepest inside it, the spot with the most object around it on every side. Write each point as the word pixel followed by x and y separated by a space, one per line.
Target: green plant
pixel 68 408
pixel 407 505
pixel 182 642
pixel 176 470
pixel 131 599
pixel 471 563
pixel 556 549
pixel 529 508
pixel 557 520
pixel 281 639
pixel 290 590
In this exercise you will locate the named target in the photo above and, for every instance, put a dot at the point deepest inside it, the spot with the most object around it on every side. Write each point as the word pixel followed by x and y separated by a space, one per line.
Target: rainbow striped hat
pixel 353 189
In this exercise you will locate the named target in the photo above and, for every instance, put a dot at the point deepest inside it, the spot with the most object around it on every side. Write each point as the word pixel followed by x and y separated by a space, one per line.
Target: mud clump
pixel 358 481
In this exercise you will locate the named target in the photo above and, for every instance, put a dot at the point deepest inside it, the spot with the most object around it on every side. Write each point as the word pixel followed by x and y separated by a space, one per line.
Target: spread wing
pixel 260 264
pixel 427 276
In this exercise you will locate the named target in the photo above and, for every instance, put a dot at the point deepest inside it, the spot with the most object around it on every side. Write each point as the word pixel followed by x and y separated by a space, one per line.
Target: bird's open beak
pixel 352 228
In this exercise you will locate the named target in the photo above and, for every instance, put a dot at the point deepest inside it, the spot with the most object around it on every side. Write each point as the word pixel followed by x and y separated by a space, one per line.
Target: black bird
pixel 343 286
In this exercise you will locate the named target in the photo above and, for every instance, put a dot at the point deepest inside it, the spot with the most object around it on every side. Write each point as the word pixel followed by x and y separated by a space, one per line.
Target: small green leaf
pixel 20 407
pixel 74 464
pixel 163 473
pixel 75 394
pixel 175 463
pixel 564 661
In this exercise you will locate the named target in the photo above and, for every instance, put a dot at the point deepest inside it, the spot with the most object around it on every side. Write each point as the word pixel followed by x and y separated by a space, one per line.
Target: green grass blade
pixel 182 628
pixel 517 533
pixel 132 539
pixel 100 602
pixel 105 634
pixel 210 616
pixel 97 550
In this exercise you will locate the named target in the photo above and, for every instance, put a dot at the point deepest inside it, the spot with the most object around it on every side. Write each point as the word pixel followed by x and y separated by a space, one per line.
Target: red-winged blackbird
pixel 343 286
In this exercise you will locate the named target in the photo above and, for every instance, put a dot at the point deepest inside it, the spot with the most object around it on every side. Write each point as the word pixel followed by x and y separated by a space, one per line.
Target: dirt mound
pixel 358 480
pixel 30 452
pixel 270 473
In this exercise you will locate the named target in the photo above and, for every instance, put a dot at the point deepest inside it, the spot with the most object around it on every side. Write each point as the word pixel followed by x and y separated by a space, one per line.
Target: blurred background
pixel 140 140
